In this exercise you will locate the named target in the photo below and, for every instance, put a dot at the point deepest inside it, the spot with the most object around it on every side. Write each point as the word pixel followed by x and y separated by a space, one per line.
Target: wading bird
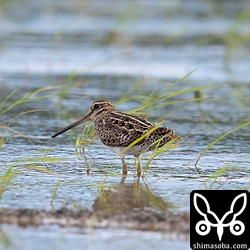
pixel 118 130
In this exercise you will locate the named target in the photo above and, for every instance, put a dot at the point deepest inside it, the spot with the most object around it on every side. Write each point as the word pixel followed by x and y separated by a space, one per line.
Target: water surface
pixel 99 50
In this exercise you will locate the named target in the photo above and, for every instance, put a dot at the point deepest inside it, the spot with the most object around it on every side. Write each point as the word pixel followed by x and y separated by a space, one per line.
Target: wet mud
pixel 126 206
pixel 169 223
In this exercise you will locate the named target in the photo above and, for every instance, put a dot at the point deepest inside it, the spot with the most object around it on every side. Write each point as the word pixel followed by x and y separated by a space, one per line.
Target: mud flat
pixel 169 223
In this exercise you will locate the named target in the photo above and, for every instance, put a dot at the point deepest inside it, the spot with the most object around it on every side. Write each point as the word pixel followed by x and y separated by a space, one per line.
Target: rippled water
pixel 74 238
pixel 101 49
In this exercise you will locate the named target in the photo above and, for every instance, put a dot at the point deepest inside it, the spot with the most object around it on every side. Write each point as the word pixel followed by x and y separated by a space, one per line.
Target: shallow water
pixel 46 41
pixel 73 238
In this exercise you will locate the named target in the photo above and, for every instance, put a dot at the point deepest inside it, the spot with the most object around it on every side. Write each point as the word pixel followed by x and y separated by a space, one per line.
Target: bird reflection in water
pixel 124 197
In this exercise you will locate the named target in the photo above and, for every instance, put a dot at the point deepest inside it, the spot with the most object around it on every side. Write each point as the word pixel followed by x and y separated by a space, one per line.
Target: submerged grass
pixel 38 163
pixel 6 178
pixel 14 132
pixel 158 99
pixel 214 177
pixel 6 105
pixel 160 150
pixel 217 140
pixel 30 97
pixel 210 181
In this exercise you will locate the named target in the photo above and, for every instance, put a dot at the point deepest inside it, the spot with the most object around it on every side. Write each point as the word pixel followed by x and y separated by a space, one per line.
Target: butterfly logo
pixel 203 227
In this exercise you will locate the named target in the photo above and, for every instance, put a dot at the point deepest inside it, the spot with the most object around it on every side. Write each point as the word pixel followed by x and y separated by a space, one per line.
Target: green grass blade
pixel 7 178
pixel 26 98
pixel 7 98
pixel 142 137
pixel 181 92
pixel 54 193
pixel 216 175
pixel 220 138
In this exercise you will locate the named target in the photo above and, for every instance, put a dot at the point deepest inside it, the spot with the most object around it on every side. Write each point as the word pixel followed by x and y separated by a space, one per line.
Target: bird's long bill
pixel 72 125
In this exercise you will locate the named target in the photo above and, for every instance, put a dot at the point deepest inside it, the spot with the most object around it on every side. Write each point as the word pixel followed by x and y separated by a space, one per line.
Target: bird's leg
pixel 138 166
pixel 125 167
pixel 122 182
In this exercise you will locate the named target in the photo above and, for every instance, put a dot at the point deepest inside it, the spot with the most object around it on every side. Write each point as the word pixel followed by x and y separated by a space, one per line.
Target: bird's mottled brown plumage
pixel 118 130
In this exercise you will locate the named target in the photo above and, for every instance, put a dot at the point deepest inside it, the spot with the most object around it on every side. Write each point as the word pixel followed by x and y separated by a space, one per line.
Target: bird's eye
pixel 97 106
